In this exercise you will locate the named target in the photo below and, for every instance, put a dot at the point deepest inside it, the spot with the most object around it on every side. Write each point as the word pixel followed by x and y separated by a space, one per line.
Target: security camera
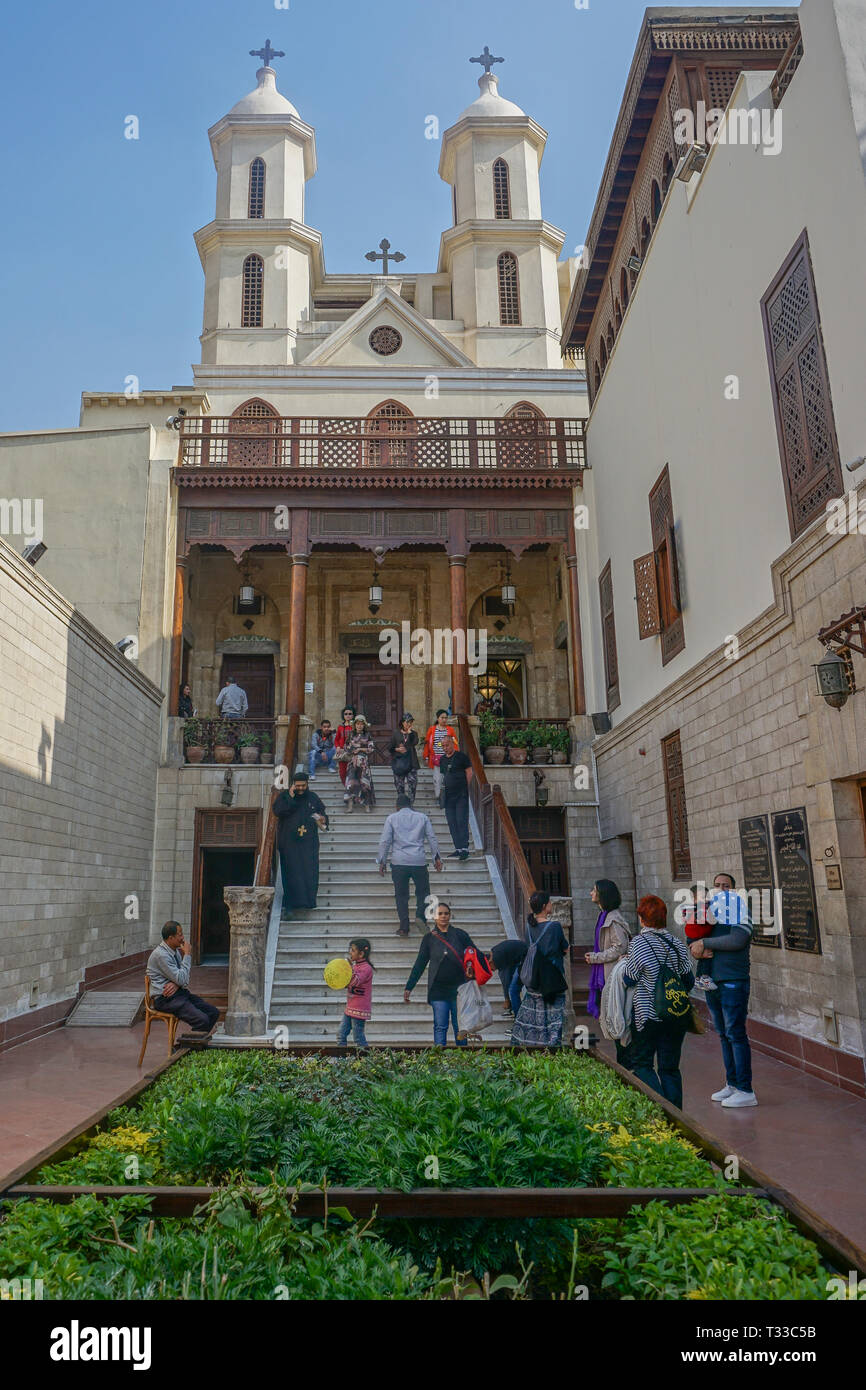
pixel 857 463
pixel 174 422
pixel 128 647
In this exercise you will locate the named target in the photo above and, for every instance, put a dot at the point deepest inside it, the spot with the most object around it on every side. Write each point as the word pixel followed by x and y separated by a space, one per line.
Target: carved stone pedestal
pixel 249 913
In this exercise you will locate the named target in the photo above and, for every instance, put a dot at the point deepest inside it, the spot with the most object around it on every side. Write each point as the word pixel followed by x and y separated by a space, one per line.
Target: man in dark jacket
pixel 727 947
pixel 442 950
pixel 301 815
pixel 456 772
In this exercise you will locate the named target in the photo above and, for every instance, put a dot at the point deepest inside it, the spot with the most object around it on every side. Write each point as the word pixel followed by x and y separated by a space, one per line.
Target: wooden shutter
pixel 608 634
pixel 646 592
pixel 803 406
pixel 675 796
pixel 667 567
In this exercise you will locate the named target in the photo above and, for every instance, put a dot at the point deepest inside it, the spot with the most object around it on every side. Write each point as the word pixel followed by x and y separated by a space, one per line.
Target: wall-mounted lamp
pixel 542 794
pixel 228 792
pixel 692 162
pixel 375 595
pixel 835 677
pixel 509 593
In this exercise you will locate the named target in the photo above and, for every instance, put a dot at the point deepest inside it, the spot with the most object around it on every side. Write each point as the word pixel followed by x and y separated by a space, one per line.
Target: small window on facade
pixel 657 577
pixel 602 353
pixel 597 376
pixel 675 797
pixel 645 234
pixel 656 201
pixel 501 190
pixel 667 173
pixel 811 467
pixel 632 275
pixel 610 337
pixel 617 315
pixel 251 299
pixel 257 189
pixel 509 294
pixel 624 289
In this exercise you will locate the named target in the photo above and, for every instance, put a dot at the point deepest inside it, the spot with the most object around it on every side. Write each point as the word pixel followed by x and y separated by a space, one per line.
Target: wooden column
pixel 578 689
pixel 458 549
pixel 177 635
pixel 298 615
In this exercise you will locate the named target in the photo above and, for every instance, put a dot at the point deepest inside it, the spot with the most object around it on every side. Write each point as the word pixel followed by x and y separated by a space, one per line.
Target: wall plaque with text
pixel 796 880
pixel 757 856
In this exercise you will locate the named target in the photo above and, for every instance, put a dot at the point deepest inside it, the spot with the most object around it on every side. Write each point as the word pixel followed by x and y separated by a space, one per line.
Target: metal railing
pixel 437 444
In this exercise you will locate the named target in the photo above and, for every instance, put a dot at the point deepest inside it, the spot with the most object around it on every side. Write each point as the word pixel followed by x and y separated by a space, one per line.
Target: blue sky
pixel 100 276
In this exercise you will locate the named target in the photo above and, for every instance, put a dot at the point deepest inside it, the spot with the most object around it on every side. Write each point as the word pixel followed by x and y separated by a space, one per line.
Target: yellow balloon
pixel 337 973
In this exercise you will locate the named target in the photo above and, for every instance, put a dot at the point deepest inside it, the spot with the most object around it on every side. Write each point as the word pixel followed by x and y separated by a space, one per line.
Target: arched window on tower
pixel 251 296
pixel 624 289
pixel 656 196
pixel 256 206
pixel 501 190
pixel 509 292
pixel 256 422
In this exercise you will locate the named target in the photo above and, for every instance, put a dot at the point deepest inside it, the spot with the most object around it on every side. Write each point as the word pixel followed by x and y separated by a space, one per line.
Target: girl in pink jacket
pixel 359 995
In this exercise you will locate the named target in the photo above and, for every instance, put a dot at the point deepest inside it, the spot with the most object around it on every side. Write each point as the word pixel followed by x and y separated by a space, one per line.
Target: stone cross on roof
pixel 487 60
pixel 266 53
pixel 386 256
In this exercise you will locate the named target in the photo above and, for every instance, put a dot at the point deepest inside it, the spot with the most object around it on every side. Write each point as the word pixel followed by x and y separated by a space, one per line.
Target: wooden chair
pixel 150 1013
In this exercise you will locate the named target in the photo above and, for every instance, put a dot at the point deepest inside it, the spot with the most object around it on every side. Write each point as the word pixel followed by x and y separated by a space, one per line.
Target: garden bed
pixel 493 1165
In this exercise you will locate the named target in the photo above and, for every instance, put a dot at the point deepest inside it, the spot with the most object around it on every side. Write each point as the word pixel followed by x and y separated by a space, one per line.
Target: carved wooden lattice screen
pixel 608 632
pixel 509 293
pixel 675 797
pixel 251 294
pixel 801 390
pixel 254 421
pixel 667 568
pixel 646 592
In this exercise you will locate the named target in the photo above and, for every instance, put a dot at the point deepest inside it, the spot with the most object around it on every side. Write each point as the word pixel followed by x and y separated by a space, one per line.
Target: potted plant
pixel 249 743
pixel 560 743
pixel 224 740
pixel 194 741
pixel 519 743
pixel 492 736
pixel 539 738
pixel 265 743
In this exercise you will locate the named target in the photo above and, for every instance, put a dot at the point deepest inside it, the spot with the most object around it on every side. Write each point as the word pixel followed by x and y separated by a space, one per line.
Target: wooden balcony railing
pixel 498 835
pixel 438 444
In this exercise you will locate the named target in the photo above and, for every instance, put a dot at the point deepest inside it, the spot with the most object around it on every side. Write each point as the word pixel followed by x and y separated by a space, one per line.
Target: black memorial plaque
pixel 757 858
pixel 796 880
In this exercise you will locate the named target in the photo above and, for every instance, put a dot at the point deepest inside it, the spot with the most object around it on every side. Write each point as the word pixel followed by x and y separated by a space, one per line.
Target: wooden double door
pixel 255 675
pixel 376 691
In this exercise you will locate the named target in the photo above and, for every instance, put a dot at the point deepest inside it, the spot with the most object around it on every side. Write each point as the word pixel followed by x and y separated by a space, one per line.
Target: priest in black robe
pixel 300 814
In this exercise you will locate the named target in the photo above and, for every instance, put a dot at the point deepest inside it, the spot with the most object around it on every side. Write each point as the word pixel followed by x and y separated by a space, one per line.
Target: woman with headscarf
pixel 345 729
pixel 404 758
pixel 359 776
pixel 540 1016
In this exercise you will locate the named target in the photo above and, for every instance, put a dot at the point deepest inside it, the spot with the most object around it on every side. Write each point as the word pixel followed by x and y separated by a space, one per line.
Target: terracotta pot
pixel 195 753
pixel 542 754
pixel 222 753
pixel 250 754
pixel 494 754
pixel 560 758
pixel 518 755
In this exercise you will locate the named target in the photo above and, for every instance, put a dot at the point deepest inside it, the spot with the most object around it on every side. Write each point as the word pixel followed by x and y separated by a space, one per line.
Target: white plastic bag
pixel 473 1010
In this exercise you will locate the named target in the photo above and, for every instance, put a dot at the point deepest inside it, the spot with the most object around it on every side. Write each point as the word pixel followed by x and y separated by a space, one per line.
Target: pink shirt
pixel 359 995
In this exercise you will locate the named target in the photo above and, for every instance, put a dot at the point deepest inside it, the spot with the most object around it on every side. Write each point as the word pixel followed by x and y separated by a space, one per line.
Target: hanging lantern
pixel 247 595
pixel 834 677
pixel 509 593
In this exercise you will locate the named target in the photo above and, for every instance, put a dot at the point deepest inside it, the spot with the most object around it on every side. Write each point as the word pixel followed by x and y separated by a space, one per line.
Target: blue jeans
pixel 318 756
pixel 443 1010
pixel 357 1027
pixel 729 1006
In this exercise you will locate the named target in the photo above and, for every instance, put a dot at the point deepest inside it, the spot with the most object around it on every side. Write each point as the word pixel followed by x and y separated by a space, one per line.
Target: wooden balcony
pixel 438 451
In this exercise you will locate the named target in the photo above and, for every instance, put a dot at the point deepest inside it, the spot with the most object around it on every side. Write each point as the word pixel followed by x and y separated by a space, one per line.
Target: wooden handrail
pixel 282 757
pixel 498 834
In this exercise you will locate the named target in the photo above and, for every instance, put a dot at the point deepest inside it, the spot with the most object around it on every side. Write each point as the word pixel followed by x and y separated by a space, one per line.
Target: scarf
pixel 596 974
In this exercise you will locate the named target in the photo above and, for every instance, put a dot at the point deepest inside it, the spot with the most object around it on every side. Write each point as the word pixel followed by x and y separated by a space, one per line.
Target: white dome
pixel 490 103
pixel 264 100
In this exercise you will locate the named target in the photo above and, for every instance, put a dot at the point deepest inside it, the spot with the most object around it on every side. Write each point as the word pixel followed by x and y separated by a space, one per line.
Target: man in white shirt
pixel 232 702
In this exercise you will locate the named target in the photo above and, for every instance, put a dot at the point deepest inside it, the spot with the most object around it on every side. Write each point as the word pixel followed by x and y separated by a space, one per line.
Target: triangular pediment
pixel 421 345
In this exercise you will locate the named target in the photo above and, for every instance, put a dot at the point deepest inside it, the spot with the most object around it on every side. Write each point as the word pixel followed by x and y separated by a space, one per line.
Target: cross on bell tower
pixel 487 60
pixel 386 255
pixel 266 53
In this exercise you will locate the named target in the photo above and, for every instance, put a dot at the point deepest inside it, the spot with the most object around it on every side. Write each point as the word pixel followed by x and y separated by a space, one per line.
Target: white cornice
pixel 559 381
pixel 293 127
pixel 487 125
pixel 501 233
pixel 253 231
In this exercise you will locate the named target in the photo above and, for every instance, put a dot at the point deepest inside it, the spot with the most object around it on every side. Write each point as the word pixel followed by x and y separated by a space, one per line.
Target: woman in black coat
pixel 404 758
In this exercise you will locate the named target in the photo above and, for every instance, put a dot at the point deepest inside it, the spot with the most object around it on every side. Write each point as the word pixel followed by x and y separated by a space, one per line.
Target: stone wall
pixel 77 794
pixel 756 739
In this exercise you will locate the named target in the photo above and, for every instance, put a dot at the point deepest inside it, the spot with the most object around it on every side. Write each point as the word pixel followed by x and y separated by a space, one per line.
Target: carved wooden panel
pixel 647 596
pixel 806 427
pixel 229 829
pixel 675 796
pixel 608 630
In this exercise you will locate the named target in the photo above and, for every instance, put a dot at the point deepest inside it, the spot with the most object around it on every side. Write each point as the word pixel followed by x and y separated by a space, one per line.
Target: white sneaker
pixel 723 1093
pixel 739 1099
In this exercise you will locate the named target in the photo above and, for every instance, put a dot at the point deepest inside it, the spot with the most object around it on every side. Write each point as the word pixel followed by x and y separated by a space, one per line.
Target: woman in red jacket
pixel 345 729
pixel 434 747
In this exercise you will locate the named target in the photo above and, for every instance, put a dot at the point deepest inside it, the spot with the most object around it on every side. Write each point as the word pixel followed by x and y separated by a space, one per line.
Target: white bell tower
pixel 257 253
pixel 500 254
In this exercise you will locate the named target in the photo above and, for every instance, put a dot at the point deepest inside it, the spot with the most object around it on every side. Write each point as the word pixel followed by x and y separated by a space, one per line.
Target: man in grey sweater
pixel 168 971
pixel 404 839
